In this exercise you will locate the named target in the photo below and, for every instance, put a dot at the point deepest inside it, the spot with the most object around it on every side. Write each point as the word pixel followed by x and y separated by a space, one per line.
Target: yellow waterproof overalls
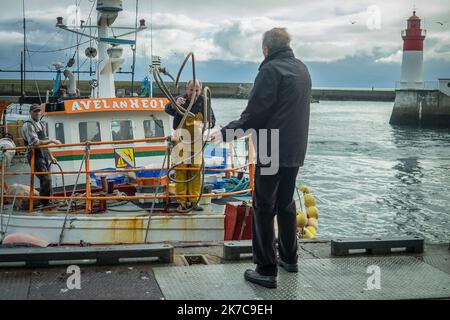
pixel 183 150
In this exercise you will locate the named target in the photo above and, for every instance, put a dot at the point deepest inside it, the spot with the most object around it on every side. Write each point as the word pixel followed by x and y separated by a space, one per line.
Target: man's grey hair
pixel 276 38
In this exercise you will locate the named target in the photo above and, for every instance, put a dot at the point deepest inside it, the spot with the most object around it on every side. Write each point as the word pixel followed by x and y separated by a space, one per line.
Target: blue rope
pixel 234 184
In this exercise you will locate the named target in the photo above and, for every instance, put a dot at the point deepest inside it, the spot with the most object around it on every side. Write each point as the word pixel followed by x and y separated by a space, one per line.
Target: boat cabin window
pixel 59 132
pixel 89 131
pixel 153 128
pixel 122 130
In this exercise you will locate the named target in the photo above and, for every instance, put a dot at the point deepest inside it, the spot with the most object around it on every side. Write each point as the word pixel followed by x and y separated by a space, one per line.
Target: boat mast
pixel 151 47
pixel 134 50
pixel 109 52
pixel 24 47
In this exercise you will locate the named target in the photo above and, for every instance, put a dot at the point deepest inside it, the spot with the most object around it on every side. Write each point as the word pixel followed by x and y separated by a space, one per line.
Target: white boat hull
pixel 118 230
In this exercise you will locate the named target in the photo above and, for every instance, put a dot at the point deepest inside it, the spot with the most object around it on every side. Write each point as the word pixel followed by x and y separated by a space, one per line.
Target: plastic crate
pixel 117 178
pixel 213 177
pixel 151 177
pixel 150 189
pixel 150 174
pixel 151 200
pixel 212 153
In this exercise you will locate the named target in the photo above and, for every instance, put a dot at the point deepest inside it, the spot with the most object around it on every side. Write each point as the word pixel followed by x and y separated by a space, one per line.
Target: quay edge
pixel 426 108
pixel 10 88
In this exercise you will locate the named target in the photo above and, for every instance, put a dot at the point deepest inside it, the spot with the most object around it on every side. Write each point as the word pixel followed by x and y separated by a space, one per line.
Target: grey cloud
pixel 232 30
pixel 443 48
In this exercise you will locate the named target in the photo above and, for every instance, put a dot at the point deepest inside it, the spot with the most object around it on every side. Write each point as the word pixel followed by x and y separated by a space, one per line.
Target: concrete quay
pixel 11 88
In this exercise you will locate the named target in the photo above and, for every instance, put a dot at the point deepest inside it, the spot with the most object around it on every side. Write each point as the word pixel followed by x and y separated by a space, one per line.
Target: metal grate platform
pixel 342 278
pixel 97 283
pixel 14 285
pixel 441 262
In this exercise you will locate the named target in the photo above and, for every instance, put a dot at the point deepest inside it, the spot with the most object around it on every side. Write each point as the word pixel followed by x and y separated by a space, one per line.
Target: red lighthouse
pixel 412 62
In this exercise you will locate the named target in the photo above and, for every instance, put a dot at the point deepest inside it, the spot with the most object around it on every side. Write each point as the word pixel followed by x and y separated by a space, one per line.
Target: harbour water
pixel 371 178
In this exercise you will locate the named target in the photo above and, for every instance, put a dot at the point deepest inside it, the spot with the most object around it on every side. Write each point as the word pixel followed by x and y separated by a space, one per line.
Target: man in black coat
pixel 279 101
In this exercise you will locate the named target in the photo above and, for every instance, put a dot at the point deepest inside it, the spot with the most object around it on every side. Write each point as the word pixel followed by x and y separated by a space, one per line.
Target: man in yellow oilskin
pixel 189 182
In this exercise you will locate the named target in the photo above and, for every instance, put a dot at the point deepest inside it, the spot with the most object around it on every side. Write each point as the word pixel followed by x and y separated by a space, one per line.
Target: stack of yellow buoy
pixel 307 224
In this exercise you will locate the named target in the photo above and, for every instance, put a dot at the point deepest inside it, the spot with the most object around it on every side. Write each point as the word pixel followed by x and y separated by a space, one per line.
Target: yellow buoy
pixel 301 219
pixel 312 212
pixel 304 189
pixel 308 234
pixel 309 200
pixel 312 230
pixel 313 223
pixel 308 224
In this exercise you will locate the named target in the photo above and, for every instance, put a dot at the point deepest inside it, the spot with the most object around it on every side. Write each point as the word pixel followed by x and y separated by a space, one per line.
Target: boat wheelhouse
pixel 109 119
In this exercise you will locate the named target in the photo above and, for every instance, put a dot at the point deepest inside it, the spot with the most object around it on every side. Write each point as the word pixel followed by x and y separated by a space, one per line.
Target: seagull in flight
pixel 441 23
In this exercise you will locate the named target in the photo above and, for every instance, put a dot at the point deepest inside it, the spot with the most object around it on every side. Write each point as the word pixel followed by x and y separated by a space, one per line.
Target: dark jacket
pixel 280 99
pixel 196 108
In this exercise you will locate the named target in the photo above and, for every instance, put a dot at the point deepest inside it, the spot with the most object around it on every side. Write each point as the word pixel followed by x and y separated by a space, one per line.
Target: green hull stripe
pixel 109 155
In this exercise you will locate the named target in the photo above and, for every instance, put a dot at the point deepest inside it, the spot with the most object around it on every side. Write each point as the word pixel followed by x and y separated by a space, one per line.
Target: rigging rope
pixel 72 195
pixel 57 50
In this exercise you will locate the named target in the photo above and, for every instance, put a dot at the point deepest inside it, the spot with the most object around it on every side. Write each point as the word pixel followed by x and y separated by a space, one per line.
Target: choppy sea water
pixel 370 178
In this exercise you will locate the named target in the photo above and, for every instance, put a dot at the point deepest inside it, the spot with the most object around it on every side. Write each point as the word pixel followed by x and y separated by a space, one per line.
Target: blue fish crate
pixel 213 151
pixel 117 178
pixel 150 173
pixel 217 185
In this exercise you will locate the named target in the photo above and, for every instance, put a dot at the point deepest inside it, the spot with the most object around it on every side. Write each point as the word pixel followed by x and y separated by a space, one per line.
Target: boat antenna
pixel 151 47
pixel 24 47
pixel 77 8
pixel 134 49
pixel 90 46
pixel 151 28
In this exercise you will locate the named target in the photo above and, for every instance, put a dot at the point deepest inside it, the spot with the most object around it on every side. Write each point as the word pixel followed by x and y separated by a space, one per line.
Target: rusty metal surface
pixel 97 283
pixel 14 285
pixel 341 278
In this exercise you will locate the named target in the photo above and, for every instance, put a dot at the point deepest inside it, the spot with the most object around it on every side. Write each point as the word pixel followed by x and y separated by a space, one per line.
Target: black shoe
pixel 197 208
pixel 265 281
pixel 288 267
pixel 181 208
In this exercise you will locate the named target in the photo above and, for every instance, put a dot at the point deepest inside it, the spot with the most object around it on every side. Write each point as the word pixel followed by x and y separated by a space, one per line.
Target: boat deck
pixel 122 221
pixel 321 276
pixel 131 208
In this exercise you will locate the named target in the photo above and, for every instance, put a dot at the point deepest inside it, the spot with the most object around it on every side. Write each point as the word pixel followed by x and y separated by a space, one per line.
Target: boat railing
pixel 248 168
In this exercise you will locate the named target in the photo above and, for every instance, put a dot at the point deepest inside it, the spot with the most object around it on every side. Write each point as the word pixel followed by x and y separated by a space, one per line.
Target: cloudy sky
pixel 344 43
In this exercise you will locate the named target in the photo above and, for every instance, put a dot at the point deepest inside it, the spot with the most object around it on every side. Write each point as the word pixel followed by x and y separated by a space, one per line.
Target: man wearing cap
pixel 34 135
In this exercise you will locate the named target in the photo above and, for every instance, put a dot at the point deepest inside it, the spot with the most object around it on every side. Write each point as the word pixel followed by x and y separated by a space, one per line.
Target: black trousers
pixel 42 164
pixel 273 196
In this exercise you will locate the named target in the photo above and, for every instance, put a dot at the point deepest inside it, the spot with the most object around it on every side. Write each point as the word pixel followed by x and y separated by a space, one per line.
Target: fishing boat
pixel 112 184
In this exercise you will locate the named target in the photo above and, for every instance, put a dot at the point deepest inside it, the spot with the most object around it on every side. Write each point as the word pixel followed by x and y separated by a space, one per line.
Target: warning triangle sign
pixel 124 158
